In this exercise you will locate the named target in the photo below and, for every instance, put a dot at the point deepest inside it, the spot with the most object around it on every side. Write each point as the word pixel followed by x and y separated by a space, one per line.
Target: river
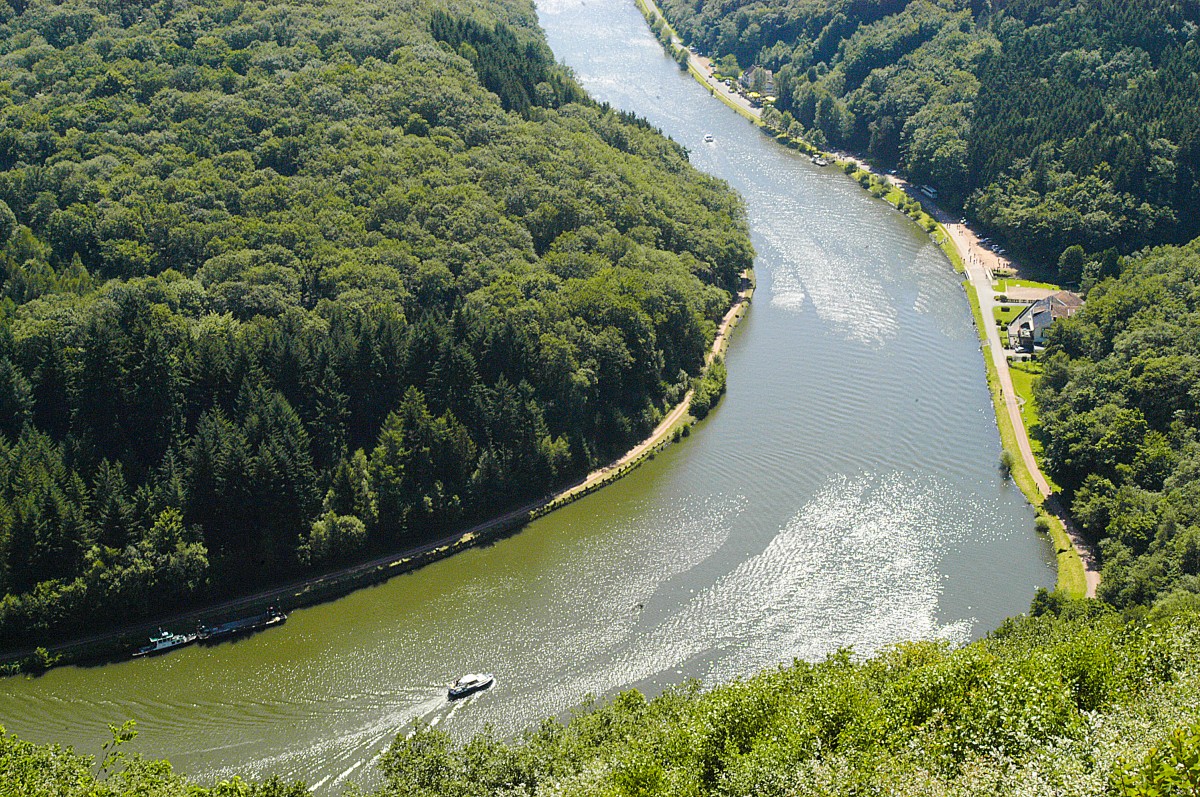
pixel 845 493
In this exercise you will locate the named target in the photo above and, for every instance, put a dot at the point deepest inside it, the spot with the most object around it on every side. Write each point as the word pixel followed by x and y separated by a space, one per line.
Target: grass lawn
pixel 1005 313
pixel 947 244
pixel 1003 285
pixel 1024 374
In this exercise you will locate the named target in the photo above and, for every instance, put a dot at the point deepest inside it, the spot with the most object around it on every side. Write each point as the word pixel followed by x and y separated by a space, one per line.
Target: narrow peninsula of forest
pixel 290 284
pixel 284 283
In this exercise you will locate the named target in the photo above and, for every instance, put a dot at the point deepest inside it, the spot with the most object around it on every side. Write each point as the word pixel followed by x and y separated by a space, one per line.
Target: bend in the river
pixel 846 492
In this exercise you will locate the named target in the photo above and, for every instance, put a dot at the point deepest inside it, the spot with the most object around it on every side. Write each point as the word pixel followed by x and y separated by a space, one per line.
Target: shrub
pixel 332 536
pixel 710 389
pixel 1172 768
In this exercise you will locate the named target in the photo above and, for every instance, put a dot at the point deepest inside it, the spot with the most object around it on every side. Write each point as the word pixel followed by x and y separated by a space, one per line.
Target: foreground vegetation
pixel 1074 700
pixel 1055 124
pixel 281 283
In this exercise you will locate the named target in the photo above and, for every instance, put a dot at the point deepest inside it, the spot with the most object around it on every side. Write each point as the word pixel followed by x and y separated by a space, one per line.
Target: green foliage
pixel 709 389
pixel 332 536
pixel 681 58
pixel 1171 770
pixel 1058 126
pixel 1006 463
pixel 1119 416
pixel 31 770
pixel 521 74
pixel 288 283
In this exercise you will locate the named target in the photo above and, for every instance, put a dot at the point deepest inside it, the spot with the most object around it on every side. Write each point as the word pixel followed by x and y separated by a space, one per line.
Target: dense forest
pixel 1074 700
pixel 1119 401
pixel 284 283
pixel 1054 124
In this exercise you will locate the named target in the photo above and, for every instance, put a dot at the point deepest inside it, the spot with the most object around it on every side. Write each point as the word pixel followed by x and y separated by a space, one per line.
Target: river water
pixel 845 493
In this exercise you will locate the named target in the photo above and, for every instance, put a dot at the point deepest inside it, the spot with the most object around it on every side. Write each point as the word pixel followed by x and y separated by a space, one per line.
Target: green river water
pixel 845 493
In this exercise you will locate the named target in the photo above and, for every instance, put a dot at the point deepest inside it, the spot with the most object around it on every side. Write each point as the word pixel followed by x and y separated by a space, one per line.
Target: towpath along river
pixel 845 492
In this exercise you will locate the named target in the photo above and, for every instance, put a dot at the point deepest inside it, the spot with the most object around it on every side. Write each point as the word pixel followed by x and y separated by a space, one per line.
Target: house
pixel 1028 329
pixel 758 79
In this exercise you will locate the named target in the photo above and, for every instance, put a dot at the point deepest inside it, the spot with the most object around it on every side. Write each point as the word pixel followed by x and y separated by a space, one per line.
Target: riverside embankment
pixel 1078 564
pixel 845 492
pixel 117 642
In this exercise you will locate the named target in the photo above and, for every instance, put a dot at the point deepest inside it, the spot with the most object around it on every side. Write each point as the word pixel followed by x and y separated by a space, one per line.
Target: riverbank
pixel 1078 570
pixel 699 67
pixel 116 643
pixel 1077 563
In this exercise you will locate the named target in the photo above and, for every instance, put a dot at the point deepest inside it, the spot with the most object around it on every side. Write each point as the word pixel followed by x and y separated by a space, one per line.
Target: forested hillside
pixel 1055 124
pixel 1120 413
pixel 284 282
pixel 1072 701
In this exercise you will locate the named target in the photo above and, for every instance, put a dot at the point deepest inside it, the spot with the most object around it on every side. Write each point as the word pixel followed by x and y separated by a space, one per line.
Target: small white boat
pixel 469 684
pixel 708 138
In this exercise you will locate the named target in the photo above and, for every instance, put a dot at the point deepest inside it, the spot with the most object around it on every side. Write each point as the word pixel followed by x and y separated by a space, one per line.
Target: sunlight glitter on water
pixel 798 598
pixel 844 492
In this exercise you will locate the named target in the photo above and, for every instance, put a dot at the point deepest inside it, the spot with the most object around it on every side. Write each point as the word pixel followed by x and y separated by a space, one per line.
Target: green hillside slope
pixel 282 283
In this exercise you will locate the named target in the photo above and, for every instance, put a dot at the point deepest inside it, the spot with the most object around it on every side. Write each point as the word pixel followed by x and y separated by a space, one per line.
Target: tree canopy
pixel 1054 124
pixel 1120 414
pixel 282 283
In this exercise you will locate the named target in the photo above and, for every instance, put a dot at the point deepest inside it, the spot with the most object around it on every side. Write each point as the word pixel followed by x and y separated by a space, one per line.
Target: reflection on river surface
pixel 845 493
